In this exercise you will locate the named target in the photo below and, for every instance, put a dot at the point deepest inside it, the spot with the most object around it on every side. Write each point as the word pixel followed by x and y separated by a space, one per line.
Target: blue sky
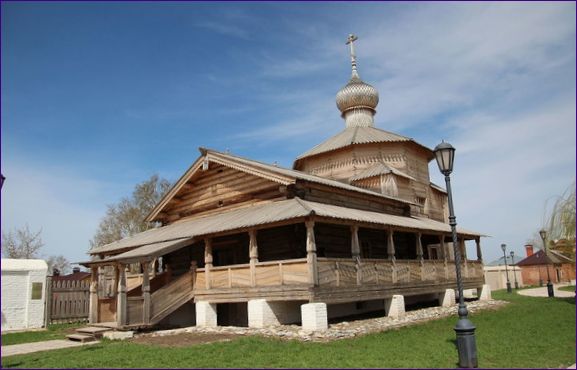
pixel 96 97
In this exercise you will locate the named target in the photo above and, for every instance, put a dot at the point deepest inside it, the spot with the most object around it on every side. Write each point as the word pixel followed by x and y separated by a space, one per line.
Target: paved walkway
pixel 20 349
pixel 542 292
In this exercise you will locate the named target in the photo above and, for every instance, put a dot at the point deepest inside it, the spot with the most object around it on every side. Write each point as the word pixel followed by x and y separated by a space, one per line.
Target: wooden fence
pixel 67 300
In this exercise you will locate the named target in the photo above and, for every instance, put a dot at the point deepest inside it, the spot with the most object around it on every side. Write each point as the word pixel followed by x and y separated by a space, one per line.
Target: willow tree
pixel 561 224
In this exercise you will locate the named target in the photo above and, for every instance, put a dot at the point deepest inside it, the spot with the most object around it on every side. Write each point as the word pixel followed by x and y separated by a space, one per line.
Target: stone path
pixel 20 349
pixel 340 330
pixel 542 292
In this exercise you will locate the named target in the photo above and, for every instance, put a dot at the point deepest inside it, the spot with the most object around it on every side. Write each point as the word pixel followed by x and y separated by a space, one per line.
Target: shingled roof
pixel 540 258
pixel 358 135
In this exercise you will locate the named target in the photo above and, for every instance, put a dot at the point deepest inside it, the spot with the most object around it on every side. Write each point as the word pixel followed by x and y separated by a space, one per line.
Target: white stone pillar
pixel 93 295
pixel 314 316
pixel 206 314
pixel 395 306
pixel 311 253
pixel 447 299
pixel 484 293
pixel 261 314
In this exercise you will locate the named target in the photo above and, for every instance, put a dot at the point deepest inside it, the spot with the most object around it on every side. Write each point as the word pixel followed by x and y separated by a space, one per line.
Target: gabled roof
pixel 500 261
pixel 358 135
pixel 379 169
pixel 539 258
pixel 283 176
pixel 178 234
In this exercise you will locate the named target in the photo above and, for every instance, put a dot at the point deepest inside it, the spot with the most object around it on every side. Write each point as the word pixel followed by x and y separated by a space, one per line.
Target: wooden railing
pixel 345 272
pixel 286 272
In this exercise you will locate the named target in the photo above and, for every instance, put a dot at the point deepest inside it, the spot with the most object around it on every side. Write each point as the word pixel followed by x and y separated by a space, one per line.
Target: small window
pixel 37 290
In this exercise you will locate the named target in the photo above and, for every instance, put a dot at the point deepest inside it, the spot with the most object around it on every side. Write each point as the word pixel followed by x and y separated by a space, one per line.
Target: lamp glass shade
pixel 512 254
pixel 543 234
pixel 445 155
pixel 503 247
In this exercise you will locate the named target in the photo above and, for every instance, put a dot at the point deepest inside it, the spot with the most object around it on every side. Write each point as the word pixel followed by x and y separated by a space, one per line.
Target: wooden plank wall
pixel 219 188
pixel 69 301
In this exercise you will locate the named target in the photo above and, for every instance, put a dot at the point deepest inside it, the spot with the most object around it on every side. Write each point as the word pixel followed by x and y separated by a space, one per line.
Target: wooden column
pixel 253 254
pixel 463 250
pixel 390 245
pixel 116 279
pixel 121 318
pixel 145 292
pixel 420 255
pixel 312 253
pixel 207 261
pixel 93 296
pixel 443 248
pixel 479 252
pixel 356 252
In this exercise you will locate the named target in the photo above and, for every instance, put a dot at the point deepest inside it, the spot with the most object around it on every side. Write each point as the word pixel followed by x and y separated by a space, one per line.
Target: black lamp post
pixel 550 292
pixel 514 272
pixel 504 248
pixel 465 330
pixel 2 178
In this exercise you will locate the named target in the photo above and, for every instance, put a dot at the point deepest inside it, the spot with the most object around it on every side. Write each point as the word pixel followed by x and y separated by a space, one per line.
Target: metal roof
pixel 161 239
pixel 357 135
pixel 379 169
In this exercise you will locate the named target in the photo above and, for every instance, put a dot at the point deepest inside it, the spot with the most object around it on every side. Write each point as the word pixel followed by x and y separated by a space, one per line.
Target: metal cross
pixel 350 41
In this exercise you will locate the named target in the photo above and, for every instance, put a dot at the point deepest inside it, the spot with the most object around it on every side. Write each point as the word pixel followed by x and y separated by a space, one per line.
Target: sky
pixel 97 97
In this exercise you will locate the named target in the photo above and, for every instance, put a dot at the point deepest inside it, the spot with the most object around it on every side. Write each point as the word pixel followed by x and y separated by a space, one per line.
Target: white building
pixel 23 293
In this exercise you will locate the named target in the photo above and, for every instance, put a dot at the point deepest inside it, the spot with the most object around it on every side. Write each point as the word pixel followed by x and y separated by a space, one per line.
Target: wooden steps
pixel 88 334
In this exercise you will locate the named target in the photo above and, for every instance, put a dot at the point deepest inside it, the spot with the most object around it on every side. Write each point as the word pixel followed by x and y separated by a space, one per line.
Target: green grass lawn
pixel 569 288
pixel 55 331
pixel 529 332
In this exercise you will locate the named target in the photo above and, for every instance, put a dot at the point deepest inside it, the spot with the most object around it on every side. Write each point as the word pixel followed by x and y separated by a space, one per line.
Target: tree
pixel 561 224
pixel 21 243
pixel 126 218
pixel 59 263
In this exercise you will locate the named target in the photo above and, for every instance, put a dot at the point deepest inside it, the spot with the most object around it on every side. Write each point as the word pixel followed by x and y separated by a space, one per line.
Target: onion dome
pixel 357 100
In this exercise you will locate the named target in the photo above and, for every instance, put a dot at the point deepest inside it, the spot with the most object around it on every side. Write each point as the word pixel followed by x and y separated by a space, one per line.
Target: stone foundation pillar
pixel 395 306
pixel 206 314
pixel 447 299
pixel 314 316
pixel 261 314
pixel 484 293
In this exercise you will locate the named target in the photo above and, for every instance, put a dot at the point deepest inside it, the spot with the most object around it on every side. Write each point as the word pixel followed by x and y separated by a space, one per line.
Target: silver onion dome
pixel 357 100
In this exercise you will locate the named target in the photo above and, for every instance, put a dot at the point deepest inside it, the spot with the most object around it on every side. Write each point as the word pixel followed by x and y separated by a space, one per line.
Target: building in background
pixel 23 293
pixel 534 267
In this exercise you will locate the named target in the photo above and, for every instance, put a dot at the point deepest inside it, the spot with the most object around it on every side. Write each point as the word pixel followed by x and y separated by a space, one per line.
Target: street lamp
pixel 465 330
pixel 2 178
pixel 504 248
pixel 543 234
pixel 514 272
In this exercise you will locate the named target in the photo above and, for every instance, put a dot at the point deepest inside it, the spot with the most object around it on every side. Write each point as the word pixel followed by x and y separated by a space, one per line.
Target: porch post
pixel 207 260
pixel 479 253
pixel 464 256
pixel 420 255
pixel 93 295
pixel 390 244
pixel 311 253
pixel 356 252
pixel 445 256
pixel 253 254
pixel 121 299
pixel 145 292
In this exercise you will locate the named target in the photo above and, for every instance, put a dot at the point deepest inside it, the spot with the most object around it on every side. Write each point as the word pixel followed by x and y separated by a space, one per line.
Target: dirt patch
pixel 184 339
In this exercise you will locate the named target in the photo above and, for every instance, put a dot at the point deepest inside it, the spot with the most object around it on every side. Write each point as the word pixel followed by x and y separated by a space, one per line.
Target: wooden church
pixel 355 226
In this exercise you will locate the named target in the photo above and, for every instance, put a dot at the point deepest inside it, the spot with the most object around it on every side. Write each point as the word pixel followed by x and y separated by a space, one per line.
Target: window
pixel 36 291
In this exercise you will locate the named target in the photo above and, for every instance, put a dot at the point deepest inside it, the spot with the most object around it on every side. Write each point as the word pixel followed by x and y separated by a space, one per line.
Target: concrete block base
pixel 395 306
pixel 206 314
pixel 484 293
pixel 314 316
pixel 447 299
pixel 261 314
pixel 118 335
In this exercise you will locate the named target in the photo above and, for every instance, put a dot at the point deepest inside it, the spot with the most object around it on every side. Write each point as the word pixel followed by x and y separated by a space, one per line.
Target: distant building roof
pixel 79 275
pixel 500 261
pixel 539 258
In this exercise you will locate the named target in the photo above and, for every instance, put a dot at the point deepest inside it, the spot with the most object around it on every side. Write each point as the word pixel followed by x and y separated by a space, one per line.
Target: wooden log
pixel 311 253
pixel 207 261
